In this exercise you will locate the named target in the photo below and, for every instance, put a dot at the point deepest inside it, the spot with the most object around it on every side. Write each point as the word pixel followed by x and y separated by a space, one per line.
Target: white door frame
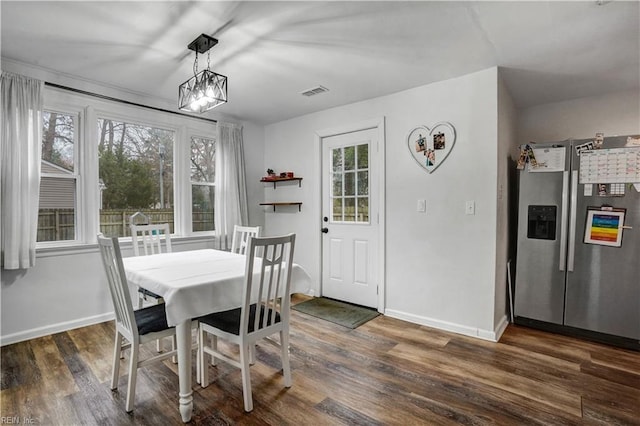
pixel 379 125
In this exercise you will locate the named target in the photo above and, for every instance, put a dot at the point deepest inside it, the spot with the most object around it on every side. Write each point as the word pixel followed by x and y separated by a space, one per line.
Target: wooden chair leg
pixel 202 358
pixel 133 370
pixel 117 354
pixel 252 354
pixel 214 345
pixel 284 349
pixel 198 362
pixel 246 376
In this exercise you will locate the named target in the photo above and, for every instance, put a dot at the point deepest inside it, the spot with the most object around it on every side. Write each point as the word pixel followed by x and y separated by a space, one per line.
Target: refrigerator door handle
pixel 572 220
pixel 563 219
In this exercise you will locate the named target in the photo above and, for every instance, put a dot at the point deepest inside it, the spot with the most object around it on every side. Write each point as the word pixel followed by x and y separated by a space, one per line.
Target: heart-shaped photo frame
pixel 431 146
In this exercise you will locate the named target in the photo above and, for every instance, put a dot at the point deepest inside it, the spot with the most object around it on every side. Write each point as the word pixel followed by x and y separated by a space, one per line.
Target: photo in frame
pixel 604 226
pixel 430 146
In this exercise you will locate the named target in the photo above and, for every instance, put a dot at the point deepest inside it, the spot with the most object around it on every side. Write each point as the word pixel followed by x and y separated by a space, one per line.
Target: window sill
pixel 50 249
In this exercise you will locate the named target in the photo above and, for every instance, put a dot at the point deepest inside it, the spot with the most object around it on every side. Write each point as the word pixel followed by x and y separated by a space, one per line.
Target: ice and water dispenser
pixel 541 222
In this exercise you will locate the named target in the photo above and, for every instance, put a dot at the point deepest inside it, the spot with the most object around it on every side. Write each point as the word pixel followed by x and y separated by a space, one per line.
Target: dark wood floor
pixel 385 372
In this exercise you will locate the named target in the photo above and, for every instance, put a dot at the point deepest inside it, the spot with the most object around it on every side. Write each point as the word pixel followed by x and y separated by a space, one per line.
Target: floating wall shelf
pixel 284 203
pixel 276 180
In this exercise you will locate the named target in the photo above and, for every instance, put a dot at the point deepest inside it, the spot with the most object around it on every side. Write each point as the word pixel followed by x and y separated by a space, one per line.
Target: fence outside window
pixel 59 224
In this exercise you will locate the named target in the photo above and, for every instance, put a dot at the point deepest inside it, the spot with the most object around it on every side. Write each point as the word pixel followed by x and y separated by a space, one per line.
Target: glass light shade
pixel 203 91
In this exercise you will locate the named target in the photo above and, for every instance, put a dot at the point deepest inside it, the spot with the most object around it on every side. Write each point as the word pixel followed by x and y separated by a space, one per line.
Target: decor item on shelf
pixel 431 146
pixel 289 174
pixel 206 89
pixel 270 175
pixel 283 175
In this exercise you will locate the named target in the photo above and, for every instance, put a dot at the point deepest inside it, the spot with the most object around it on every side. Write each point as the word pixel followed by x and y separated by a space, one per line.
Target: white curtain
pixel 20 150
pixel 231 187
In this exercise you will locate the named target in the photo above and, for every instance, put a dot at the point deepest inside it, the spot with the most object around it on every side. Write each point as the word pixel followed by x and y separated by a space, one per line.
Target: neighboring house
pixel 57 190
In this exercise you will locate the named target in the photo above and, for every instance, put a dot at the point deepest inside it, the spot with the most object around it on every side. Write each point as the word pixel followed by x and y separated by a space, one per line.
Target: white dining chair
pixel 256 319
pixel 150 239
pixel 241 235
pixel 136 327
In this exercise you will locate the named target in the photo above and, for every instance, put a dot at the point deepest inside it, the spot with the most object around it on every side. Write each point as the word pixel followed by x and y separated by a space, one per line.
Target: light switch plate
pixel 470 207
pixel 421 206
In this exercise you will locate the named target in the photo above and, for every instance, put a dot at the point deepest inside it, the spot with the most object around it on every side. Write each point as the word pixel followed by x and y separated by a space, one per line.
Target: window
pixel 103 161
pixel 135 163
pixel 58 181
pixel 203 152
pixel 350 184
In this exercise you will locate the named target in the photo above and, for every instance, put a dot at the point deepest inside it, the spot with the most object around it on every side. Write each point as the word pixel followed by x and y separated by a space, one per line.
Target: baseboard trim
pixel 490 335
pixel 52 329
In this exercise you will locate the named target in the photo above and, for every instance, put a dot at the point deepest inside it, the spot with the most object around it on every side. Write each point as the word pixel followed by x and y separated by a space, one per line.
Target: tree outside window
pixel 136 174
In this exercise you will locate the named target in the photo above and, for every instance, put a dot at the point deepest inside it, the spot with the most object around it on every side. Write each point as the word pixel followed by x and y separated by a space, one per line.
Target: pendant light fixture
pixel 206 89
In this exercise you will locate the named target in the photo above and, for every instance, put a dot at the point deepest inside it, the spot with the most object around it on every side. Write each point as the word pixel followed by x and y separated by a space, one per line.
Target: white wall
pixel 613 114
pixel 440 265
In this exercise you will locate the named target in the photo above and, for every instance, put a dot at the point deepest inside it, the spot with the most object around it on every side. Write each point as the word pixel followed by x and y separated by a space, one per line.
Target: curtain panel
pixel 231 207
pixel 20 153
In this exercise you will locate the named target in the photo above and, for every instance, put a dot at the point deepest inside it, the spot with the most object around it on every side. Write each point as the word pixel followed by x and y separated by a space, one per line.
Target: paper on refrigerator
pixel 548 160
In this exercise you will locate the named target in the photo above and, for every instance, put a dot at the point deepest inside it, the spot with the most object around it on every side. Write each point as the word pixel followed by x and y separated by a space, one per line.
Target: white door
pixel 350 203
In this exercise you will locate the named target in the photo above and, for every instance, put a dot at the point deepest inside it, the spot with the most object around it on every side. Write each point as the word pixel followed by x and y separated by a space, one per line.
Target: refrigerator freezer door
pixel 603 289
pixel 540 276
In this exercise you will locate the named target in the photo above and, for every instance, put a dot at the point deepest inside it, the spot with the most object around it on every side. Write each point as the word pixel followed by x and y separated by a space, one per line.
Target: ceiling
pixel 271 51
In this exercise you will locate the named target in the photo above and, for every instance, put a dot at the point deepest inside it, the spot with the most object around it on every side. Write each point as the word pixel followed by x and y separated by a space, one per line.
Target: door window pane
pixel 349 209
pixel 349 183
pixel 337 210
pixel 57 209
pixel 363 209
pixel 336 155
pixel 363 156
pixel 337 184
pixel 349 157
pixel 363 183
pixel 136 174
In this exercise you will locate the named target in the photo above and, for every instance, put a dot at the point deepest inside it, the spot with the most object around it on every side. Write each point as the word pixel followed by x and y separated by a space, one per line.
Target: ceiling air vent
pixel 314 91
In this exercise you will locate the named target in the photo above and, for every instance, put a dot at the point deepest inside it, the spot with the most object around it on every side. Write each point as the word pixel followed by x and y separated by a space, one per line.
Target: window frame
pixel 77 175
pixel 88 109
pixel 110 115
pixel 210 184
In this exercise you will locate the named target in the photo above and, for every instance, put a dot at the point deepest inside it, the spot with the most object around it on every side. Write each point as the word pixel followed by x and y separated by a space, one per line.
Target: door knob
pixel 325 230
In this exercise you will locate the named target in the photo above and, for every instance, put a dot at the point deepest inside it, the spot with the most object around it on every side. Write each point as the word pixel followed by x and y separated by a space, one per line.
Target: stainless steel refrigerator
pixel 568 278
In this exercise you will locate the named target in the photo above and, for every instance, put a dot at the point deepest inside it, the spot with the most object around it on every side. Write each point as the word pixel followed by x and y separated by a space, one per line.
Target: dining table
pixel 195 283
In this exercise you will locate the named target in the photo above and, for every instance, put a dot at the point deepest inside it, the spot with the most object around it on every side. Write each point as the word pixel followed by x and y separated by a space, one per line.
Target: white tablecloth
pixel 198 282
